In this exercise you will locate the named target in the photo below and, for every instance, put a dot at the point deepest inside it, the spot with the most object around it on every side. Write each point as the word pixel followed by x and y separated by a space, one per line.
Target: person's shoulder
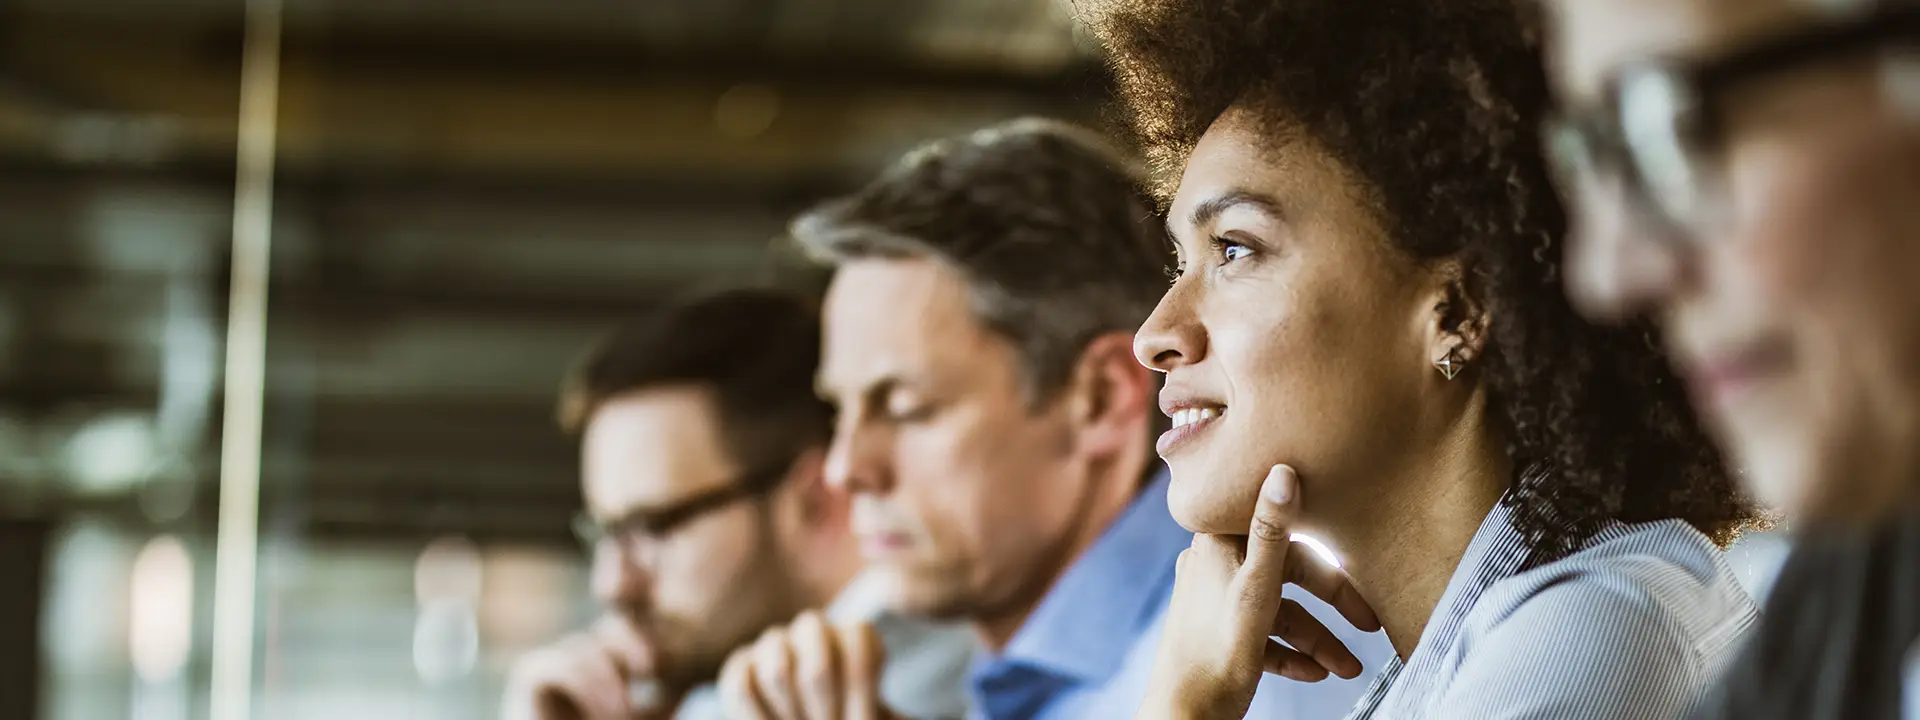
pixel 1121 694
pixel 1663 579
pixel 1635 624
pixel 1663 558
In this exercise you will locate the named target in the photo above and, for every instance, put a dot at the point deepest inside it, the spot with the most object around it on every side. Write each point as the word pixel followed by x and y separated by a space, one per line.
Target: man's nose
pixel 618 577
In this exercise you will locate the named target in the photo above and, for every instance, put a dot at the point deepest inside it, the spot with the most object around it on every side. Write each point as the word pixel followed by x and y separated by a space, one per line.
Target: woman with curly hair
pixel 1367 314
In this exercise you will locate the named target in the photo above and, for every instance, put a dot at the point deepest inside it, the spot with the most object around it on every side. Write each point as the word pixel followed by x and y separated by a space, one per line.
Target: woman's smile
pixel 1189 421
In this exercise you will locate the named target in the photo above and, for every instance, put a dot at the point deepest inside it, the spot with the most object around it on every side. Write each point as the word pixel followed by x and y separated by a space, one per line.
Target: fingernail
pixel 1279 485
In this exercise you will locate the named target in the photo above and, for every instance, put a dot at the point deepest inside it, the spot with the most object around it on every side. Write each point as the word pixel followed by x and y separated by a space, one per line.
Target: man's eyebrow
pixel 879 388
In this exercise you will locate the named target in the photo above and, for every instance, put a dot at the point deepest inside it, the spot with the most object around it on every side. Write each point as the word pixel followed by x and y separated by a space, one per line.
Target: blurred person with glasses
pixel 1747 173
pixel 996 431
pixel 708 519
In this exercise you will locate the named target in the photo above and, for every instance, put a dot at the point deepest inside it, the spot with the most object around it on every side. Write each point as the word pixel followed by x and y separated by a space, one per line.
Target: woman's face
pixel 1796 315
pixel 1294 333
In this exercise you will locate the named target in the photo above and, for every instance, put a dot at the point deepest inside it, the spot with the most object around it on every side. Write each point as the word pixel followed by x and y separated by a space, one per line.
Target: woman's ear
pixel 1457 326
pixel 1470 326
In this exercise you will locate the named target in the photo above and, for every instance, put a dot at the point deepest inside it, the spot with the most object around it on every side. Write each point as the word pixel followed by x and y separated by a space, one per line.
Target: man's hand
pixel 1227 606
pixel 583 677
pixel 809 670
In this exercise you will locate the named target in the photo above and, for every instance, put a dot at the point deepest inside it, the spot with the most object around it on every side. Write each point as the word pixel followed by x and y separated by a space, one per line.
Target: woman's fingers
pixel 1309 637
pixel 1308 569
pixel 1291 664
pixel 1264 571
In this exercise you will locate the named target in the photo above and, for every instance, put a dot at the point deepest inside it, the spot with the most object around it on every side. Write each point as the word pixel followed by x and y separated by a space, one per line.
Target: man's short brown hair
pixel 755 349
pixel 1050 226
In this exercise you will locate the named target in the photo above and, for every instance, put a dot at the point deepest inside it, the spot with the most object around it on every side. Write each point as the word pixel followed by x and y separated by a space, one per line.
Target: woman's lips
pixel 1188 424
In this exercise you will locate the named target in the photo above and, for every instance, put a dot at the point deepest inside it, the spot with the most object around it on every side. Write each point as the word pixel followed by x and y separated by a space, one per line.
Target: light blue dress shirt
pixel 1088 649
pixel 1634 624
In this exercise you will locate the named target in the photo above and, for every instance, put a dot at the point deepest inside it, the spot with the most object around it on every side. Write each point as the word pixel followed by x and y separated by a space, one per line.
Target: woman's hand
pixel 1226 607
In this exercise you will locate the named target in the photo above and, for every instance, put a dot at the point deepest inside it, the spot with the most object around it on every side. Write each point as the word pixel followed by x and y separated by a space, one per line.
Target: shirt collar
pixel 1498 551
pixel 863 599
pixel 1108 597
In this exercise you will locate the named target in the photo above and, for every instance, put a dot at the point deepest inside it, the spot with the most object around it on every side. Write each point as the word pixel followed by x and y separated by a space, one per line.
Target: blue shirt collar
pixel 1107 598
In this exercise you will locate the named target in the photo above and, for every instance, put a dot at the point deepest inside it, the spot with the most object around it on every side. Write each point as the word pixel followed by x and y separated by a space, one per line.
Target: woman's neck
pixel 1402 552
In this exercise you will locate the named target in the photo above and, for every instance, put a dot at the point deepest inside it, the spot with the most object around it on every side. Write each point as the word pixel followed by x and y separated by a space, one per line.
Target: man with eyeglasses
pixel 1747 173
pixel 709 521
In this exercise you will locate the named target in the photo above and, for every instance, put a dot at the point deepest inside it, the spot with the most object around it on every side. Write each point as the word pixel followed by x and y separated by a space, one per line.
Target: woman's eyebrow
pixel 1210 209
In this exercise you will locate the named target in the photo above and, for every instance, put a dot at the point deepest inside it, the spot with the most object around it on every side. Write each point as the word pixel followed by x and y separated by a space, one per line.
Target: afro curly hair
pixel 1434 106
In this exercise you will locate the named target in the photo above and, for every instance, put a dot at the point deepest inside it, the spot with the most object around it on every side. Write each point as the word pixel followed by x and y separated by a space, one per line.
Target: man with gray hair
pixel 993 428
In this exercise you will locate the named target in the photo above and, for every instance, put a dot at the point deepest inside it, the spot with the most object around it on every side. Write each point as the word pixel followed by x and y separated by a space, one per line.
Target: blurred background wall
pixel 468 192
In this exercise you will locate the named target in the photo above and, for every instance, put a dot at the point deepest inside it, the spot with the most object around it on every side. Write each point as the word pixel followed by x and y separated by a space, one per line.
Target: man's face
pixel 963 492
pixel 1793 308
pixel 711 584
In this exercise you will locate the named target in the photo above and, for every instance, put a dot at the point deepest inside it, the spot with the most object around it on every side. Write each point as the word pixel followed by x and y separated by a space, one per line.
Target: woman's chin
pixel 1202 505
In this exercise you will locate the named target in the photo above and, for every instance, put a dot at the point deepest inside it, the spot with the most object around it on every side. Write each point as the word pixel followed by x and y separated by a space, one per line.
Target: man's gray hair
pixel 1051 226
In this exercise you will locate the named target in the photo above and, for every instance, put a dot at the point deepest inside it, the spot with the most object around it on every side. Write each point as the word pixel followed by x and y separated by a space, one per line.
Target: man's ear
pixel 1111 395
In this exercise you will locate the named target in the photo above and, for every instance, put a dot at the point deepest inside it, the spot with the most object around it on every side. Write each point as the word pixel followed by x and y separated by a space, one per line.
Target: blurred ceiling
pixel 742 89
pixel 469 193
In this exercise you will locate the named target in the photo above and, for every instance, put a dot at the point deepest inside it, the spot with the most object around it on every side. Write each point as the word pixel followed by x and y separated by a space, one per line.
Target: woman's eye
pixel 1230 250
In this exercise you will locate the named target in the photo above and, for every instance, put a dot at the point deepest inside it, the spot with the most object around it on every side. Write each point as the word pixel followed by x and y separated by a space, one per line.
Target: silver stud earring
pixel 1450 364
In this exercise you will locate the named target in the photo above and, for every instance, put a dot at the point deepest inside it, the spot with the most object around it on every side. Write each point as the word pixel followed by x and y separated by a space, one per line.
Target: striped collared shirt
pixel 1634 625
